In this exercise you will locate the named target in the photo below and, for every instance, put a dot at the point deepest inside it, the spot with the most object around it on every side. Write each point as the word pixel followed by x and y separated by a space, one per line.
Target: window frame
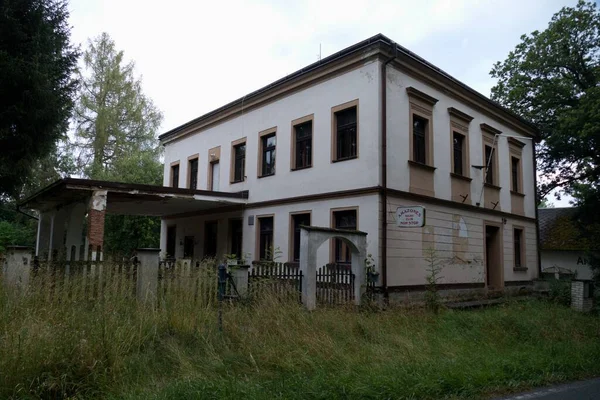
pixel 172 181
pixel 421 105
pixel 334 131
pixel 257 248
pixel 459 124
pixel 460 149
pixel 191 159
pixel 294 140
pixel 232 168
pixel 522 264
pixel 292 233
pixel 266 133
pixel 426 140
pixel 214 157
pixel 488 135
pixel 515 150
pixel 332 224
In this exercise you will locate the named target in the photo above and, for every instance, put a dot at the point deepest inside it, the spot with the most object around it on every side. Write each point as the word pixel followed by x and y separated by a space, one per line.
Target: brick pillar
pixel 96 214
pixel 581 299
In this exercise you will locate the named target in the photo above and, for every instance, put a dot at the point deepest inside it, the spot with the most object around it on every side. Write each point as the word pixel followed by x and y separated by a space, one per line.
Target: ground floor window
pixel 210 238
pixel 298 220
pixel 235 237
pixel 265 239
pixel 343 219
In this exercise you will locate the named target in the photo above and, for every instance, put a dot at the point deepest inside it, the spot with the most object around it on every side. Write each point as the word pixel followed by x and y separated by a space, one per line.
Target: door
pixel 493 258
pixel 210 238
pixel 188 247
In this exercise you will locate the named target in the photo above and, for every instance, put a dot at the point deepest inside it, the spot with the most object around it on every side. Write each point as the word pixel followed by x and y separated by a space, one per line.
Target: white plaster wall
pixel 399 144
pixel 324 176
pixel 576 261
pixel 320 216
pixel 406 246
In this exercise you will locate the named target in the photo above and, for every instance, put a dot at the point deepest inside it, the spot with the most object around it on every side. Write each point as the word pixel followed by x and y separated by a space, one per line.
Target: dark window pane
pixel 303 145
pixel 346 133
pixel 171 241
pixel 489 162
pixel 515 173
pixel 188 247
pixel 419 140
pixel 268 156
pixel 210 238
pixel 458 153
pixel 236 236
pixel 239 163
pixel 193 173
pixel 518 237
pixel 266 238
pixel 343 220
pixel 175 176
pixel 298 221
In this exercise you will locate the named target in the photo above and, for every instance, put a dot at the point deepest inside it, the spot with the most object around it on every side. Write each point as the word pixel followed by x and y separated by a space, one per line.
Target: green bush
pixel 560 291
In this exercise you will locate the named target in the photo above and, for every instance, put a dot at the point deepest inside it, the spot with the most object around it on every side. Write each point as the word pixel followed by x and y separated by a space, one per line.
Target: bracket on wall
pixel 495 204
pixel 465 197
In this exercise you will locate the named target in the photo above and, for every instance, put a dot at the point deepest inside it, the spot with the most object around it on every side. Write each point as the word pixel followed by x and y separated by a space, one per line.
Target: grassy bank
pixel 117 349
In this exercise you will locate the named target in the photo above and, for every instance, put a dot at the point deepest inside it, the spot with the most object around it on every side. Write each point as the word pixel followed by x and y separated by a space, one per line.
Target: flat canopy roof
pixel 131 198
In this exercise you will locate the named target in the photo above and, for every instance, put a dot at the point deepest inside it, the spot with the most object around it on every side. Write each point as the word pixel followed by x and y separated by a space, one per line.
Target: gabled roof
pixel 378 43
pixel 559 230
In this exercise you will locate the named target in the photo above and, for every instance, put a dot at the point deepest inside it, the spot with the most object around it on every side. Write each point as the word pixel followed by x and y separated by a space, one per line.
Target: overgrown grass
pixel 117 348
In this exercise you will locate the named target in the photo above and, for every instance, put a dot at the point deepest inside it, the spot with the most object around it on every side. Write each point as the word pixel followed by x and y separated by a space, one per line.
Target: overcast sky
pixel 195 56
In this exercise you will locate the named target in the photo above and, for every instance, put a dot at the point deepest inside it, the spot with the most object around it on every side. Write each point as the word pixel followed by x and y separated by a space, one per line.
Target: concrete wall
pixel 575 261
pixel 458 237
pixel 324 176
pixel 399 146
pixel 320 216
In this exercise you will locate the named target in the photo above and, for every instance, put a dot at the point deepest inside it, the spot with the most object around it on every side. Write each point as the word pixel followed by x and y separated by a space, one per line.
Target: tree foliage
pixel 113 117
pixel 37 62
pixel 115 138
pixel 551 78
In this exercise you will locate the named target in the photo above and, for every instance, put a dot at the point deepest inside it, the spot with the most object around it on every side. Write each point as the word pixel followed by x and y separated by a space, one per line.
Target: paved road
pixel 584 390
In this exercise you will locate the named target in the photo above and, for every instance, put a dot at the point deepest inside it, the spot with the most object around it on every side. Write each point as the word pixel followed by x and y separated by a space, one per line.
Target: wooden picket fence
pixel 191 282
pixel 280 279
pixel 335 284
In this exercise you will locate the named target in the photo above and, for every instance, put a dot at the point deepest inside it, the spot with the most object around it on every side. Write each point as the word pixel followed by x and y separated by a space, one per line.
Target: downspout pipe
pixel 537 216
pixel 383 207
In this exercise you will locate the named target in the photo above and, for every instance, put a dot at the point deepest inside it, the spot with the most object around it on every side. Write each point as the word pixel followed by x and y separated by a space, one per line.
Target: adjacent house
pixel 343 143
pixel 563 250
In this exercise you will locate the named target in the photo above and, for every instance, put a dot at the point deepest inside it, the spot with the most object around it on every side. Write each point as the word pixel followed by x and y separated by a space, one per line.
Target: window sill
pixel 233 182
pixel 462 177
pixel 266 176
pixel 517 193
pixel 489 185
pixel 520 269
pixel 421 165
pixel 344 159
pixel 301 168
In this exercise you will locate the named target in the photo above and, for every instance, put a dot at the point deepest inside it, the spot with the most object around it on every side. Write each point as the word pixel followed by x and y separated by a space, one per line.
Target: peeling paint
pixel 99 200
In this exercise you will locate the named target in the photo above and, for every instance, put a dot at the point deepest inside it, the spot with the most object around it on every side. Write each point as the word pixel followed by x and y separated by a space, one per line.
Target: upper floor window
pixel 345 131
pixel 490 165
pixel 420 132
pixel 214 168
pixel 193 173
pixel 302 143
pixel 239 162
pixel 268 142
pixel 175 175
pixel 515 173
pixel 458 153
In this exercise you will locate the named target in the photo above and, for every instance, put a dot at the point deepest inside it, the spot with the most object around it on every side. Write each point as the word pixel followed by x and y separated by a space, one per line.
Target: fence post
pixel 239 275
pixel 147 274
pixel 17 266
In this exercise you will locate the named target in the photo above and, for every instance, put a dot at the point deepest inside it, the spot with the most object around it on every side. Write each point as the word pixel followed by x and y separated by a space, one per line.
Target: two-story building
pixel 343 143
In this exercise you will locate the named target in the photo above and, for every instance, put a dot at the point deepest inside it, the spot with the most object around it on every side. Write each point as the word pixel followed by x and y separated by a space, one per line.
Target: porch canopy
pixel 64 205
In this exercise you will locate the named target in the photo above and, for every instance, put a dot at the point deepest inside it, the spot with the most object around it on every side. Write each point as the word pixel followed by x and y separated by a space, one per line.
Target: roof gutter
pixel 384 187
